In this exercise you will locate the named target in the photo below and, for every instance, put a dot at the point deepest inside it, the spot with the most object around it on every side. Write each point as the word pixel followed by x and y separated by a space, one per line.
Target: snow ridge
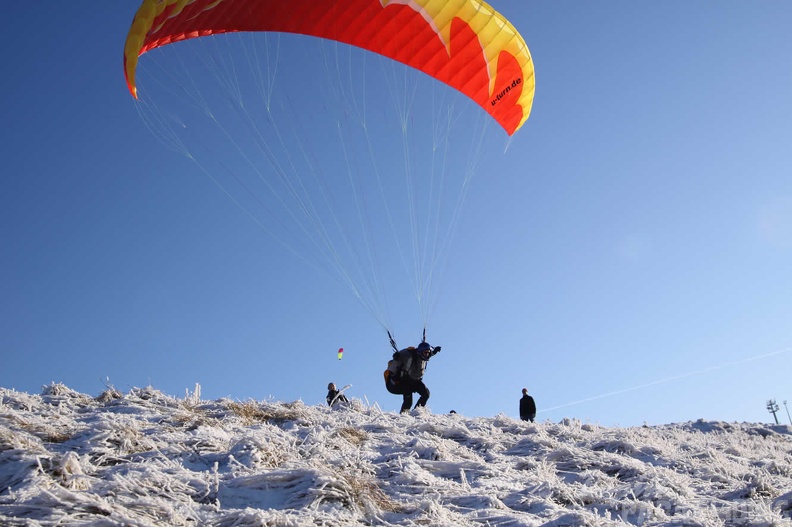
pixel 148 459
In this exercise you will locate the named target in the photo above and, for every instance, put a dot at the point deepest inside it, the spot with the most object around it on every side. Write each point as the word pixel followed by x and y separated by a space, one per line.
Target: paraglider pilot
pixel 405 372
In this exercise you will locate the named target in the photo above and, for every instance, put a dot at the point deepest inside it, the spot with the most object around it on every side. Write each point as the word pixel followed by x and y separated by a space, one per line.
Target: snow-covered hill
pixel 148 459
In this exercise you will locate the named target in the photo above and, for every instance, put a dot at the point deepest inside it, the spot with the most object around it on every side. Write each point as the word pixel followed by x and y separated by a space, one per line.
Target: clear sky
pixel 628 260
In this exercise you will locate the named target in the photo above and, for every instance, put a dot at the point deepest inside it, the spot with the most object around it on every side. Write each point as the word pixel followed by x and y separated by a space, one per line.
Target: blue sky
pixel 627 259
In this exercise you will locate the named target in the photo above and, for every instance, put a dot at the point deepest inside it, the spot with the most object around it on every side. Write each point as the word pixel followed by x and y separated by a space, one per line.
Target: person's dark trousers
pixel 406 388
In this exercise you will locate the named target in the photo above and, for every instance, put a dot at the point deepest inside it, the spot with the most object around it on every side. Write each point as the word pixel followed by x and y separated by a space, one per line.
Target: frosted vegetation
pixel 148 459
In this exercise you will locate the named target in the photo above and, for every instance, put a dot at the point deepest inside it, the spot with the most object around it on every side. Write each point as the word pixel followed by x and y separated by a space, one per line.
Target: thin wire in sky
pixel 669 379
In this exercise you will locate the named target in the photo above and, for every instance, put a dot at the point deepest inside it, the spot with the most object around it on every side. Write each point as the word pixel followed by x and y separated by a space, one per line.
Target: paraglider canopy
pixel 463 43
pixel 340 353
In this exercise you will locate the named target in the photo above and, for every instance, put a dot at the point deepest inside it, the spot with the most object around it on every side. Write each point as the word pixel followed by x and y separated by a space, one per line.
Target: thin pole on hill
pixel 772 407
pixel 787 410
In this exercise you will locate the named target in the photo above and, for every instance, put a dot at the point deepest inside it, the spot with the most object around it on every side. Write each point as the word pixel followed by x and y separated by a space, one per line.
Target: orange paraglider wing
pixel 463 43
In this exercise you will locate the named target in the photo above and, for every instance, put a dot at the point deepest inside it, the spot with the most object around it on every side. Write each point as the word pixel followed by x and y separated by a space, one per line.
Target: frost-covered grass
pixel 148 459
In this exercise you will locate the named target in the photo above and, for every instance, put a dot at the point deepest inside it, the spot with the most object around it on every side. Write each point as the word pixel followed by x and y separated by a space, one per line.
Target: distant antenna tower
pixel 772 407
pixel 787 409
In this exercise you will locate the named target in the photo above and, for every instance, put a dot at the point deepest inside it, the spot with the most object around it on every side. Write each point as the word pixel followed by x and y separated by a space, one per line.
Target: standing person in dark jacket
pixel 405 372
pixel 333 395
pixel 527 407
